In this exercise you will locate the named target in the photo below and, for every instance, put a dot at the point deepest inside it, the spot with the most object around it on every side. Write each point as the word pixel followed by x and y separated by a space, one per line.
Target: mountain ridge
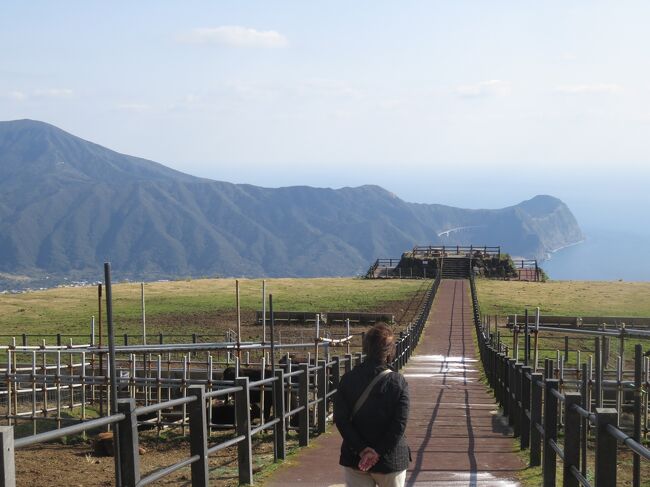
pixel 67 205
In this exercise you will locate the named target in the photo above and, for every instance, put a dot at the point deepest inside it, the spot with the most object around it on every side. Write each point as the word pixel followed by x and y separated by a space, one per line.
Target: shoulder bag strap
pixel 366 392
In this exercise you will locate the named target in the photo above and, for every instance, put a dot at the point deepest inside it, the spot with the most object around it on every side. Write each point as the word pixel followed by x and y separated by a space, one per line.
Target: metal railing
pixel 315 384
pixel 448 250
pixel 531 402
pixel 404 269
pixel 379 271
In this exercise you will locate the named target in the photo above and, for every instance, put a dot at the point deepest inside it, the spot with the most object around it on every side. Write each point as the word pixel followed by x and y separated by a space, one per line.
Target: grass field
pixel 192 302
pixel 569 298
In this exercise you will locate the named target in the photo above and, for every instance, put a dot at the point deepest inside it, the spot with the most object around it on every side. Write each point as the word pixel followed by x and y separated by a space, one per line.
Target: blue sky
pixel 428 99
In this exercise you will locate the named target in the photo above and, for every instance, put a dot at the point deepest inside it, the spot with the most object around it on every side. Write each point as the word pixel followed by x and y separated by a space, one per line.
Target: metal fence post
pixel 584 429
pixel 348 363
pixel 199 436
pixel 303 415
pixel 322 395
pixel 407 344
pixel 524 440
pixel 8 463
pixel 243 424
pixel 572 427
pixel 606 447
pixel 638 411
pixel 280 428
pixel 598 389
pixel 550 432
pixel 128 440
pixel 535 419
pixel 336 373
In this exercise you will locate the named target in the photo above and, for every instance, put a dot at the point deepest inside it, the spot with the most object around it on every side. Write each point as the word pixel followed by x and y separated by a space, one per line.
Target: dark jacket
pixel 381 421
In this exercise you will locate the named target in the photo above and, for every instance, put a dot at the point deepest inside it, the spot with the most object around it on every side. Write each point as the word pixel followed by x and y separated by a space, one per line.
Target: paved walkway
pixel 455 435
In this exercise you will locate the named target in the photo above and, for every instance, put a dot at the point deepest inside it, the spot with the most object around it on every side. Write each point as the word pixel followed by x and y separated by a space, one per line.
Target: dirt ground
pixel 208 325
pixel 55 465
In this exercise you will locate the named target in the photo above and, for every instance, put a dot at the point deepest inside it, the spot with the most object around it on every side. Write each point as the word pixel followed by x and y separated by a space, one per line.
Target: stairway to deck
pixel 455 267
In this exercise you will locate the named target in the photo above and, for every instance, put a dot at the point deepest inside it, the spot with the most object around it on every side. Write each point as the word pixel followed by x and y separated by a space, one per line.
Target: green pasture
pixel 567 298
pixel 69 310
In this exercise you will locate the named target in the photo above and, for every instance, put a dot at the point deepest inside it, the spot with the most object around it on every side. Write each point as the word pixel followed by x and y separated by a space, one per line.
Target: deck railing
pixel 450 250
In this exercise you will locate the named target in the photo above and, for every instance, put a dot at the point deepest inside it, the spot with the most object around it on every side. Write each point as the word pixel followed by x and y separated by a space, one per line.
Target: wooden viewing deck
pixel 455 434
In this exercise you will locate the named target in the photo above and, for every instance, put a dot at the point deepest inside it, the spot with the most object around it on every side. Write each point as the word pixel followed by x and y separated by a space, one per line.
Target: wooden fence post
pixel 606 447
pixel 572 434
pixel 493 372
pixel 524 440
pixel 8 463
pixel 243 424
pixel 128 439
pixel 550 432
pixel 199 436
pixel 505 403
pixel 498 379
pixel 512 382
pixel 517 400
pixel 535 419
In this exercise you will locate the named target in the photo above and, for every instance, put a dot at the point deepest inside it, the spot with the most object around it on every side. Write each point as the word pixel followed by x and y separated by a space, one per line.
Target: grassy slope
pixel 570 298
pixel 69 310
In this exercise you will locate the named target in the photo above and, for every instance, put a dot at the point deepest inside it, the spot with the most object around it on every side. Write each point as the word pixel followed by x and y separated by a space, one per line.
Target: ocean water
pixel 605 255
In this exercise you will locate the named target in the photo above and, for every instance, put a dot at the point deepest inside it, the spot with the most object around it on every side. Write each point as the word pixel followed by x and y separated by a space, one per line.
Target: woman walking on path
pixel 370 411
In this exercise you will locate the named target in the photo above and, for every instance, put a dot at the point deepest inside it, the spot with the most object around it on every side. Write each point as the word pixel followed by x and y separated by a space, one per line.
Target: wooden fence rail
pixel 536 409
pixel 316 386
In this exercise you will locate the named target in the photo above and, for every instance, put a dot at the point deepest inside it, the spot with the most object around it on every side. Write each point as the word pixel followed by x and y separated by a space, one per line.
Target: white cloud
pixel 16 95
pixel 235 36
pixel 54 93
pixel 188 101
pixel 594 88
pixel 327 87
pixel 134 107
pixel 191 98
pixel 493 87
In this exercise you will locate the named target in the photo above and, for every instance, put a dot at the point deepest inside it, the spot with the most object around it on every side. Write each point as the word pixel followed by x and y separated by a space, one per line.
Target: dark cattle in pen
pixel 296 361
pixel 223 412
pixel 254 375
